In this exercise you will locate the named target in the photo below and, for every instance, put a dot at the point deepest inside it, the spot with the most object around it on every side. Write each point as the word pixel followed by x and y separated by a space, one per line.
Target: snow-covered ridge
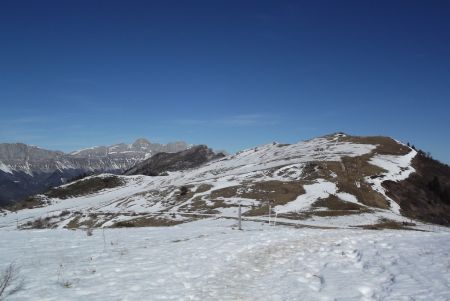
pixel 18 157
pixel 217 187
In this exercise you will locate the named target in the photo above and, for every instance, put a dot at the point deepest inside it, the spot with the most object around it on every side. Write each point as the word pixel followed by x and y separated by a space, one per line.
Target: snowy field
pixel 208 260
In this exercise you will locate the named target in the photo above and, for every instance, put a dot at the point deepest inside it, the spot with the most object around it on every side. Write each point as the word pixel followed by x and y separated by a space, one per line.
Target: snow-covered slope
pixel 311 245
pixel 207 260
pixel 333 181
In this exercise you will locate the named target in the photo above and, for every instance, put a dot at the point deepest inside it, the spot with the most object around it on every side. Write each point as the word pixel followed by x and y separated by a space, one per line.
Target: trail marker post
pixel 239 218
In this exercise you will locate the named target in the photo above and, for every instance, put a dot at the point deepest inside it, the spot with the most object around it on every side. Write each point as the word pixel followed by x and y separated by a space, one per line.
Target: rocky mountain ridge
pixel 25 170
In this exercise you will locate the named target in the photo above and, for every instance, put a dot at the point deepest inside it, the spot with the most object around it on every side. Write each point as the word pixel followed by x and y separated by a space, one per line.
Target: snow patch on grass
pixel 397 168
pixel 319 190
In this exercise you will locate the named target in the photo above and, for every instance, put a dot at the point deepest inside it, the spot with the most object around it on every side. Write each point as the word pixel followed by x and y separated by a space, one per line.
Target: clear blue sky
pixel 230 74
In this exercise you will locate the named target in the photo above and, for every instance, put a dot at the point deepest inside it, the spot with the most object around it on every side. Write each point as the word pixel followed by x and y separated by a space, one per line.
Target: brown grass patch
pixel 389 224
pixel 334 203
pixel 199 205
pixel 84 187
pixel 351 173
pixel 147 221
pixel 29 203
pixel 203 188
pixel 385 145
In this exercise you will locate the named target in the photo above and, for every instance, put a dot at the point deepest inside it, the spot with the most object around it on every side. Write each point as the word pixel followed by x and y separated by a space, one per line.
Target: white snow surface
pixel 397 168
pixel 208 260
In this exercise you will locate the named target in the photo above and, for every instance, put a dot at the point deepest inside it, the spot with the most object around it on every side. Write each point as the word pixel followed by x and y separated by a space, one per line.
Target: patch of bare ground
pixel 333 207
pixel 349 176
pixel 385 145
pixel 330 213
pixel 198 205
pixel 278 191
pixel 299 215
pixel 203 188
pixel 31 202
pixel 316 170
pixel 40 223
pixel 388 224
pixel 184 193
pixel 147 221
pixel 333 203
pixel 307 214
pixel 88 220
pixel 155 194
pixel 351 171
pixel 85 187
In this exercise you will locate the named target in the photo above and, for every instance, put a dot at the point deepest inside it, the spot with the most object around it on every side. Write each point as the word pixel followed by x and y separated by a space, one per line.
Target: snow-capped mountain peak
pixel 26 170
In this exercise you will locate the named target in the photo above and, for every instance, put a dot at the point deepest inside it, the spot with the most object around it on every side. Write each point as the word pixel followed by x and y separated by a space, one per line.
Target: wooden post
pixel 271 202
pixel 240 218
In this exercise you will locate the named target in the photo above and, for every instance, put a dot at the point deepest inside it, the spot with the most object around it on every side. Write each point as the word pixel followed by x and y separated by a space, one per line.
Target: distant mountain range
pixel 26 170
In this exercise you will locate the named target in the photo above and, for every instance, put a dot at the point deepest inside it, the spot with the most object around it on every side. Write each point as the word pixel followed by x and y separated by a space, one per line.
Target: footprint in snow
pixel 367 292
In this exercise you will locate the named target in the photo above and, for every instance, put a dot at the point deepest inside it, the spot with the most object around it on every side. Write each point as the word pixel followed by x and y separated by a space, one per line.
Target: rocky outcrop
pixel 164 162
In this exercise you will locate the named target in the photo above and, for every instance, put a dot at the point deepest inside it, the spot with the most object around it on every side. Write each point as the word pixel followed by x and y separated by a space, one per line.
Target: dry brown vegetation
pixel 334 203
pixel 414 195
pixel 385 145
pixel 85 187
pixel 389 224
pixel 83 221
pixel 351 173
pixel 147 221
pixel 277 191
pixel 29 203
pixel 281 192
pixel 203 188
pixel 199 205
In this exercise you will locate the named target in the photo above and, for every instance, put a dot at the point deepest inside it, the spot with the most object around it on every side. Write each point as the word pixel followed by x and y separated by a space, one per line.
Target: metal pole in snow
pixel 240 217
